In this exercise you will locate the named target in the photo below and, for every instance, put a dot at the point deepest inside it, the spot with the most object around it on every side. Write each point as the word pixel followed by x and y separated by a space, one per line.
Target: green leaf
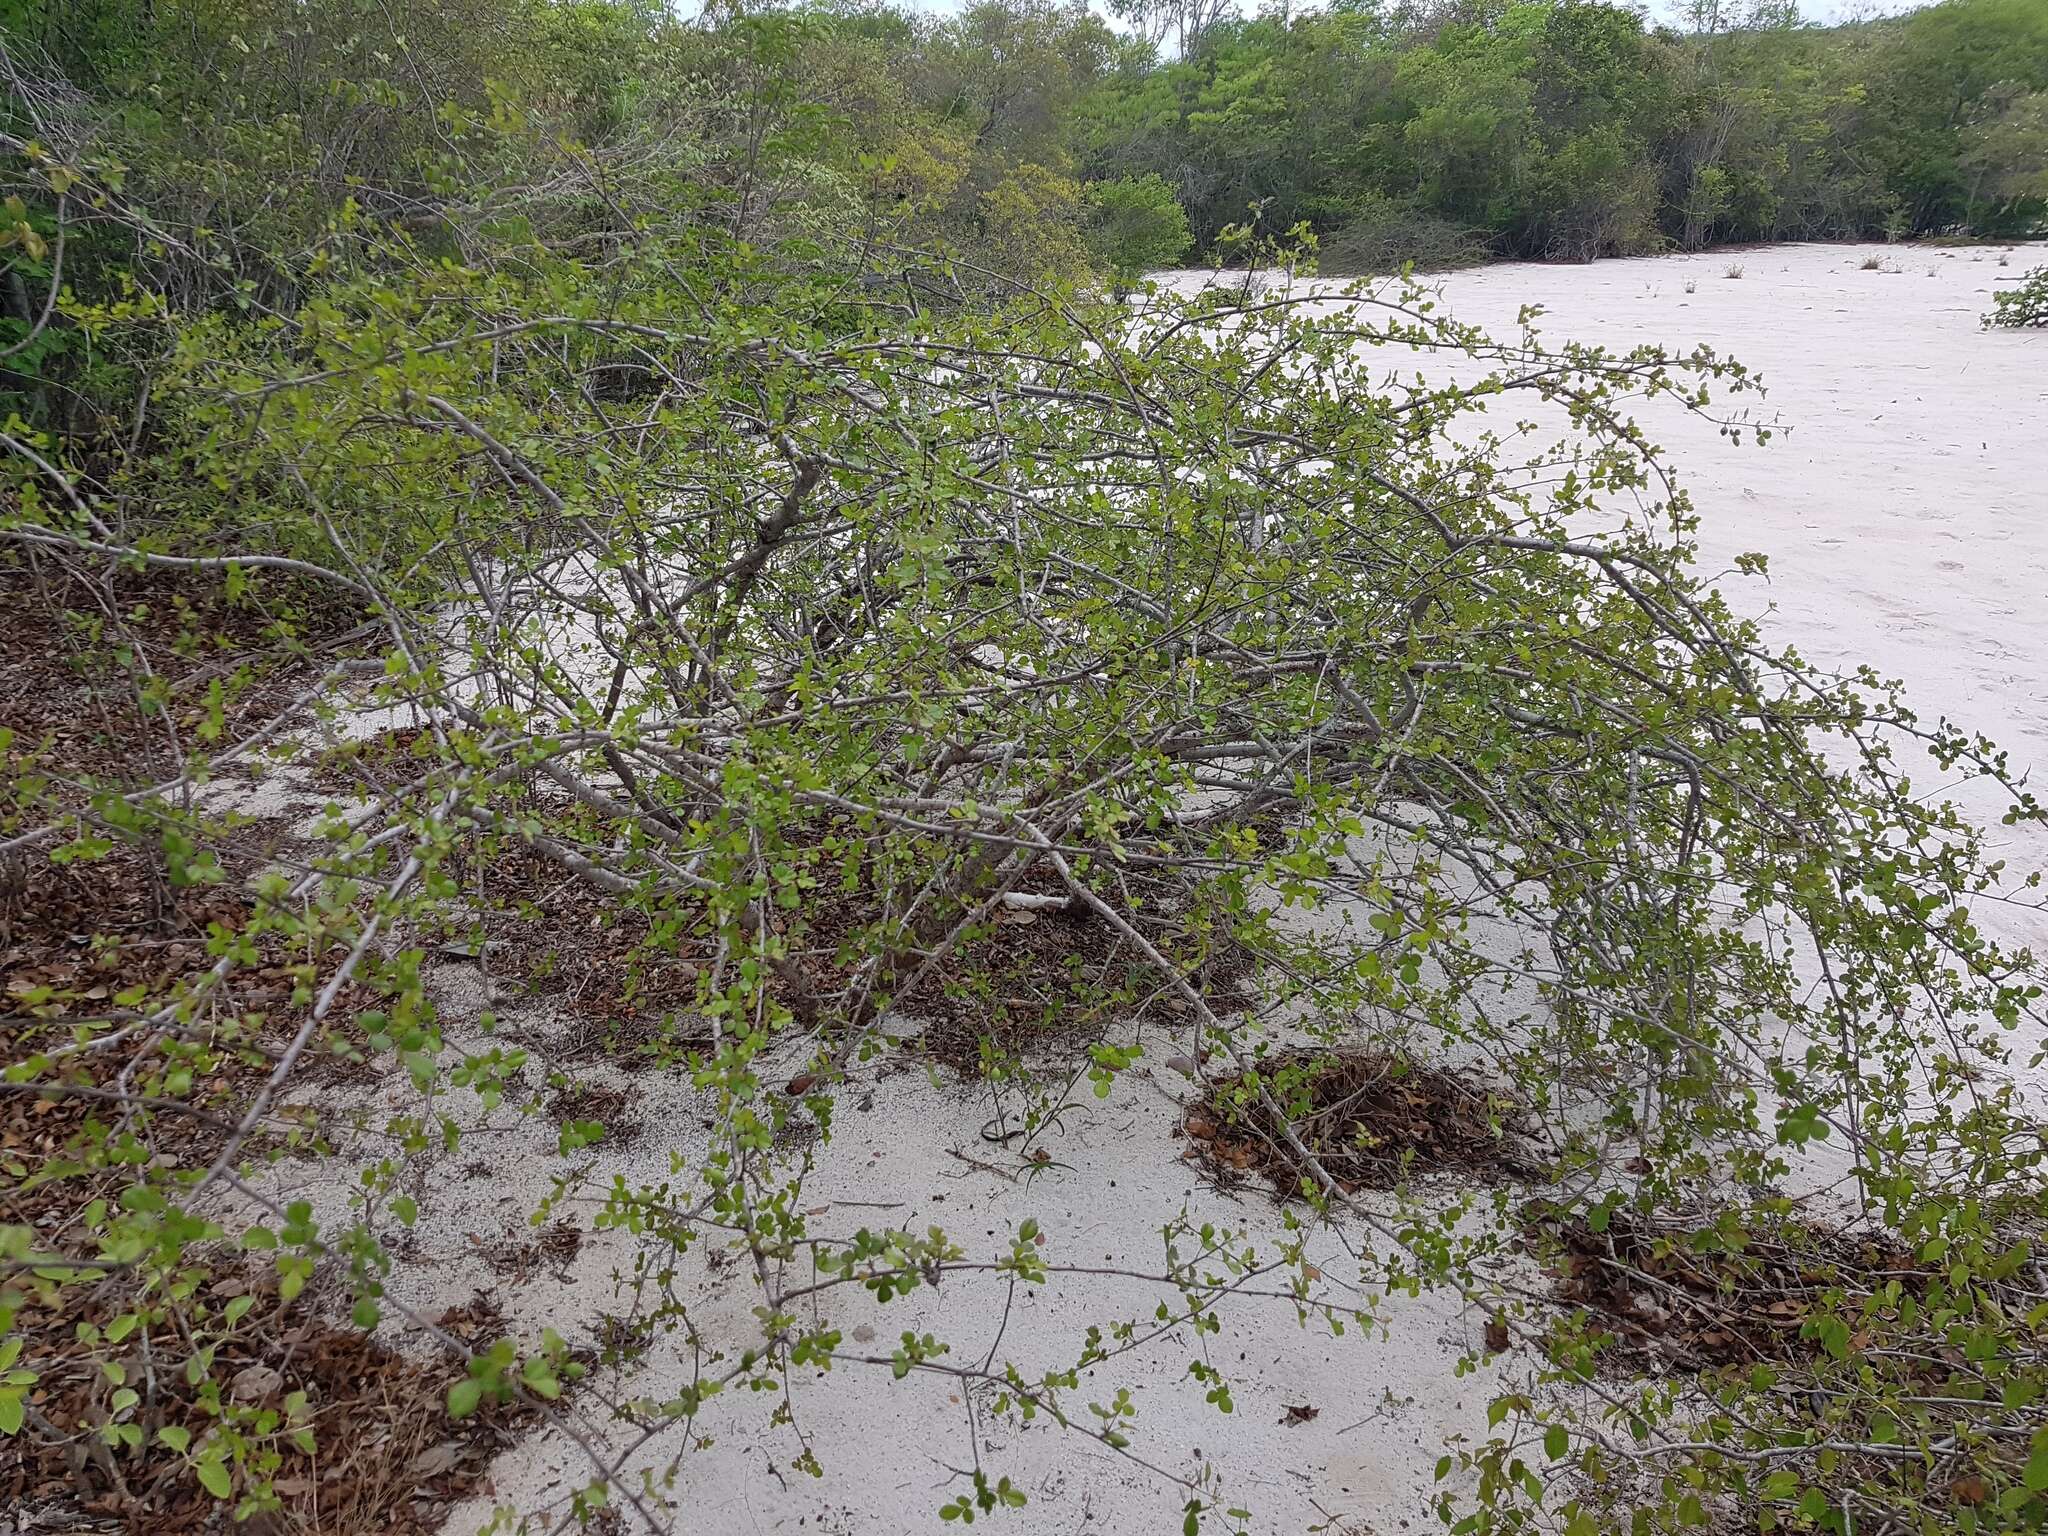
pixel 539 1377
pixel 213 1477
pixel 2036 1474
pixel 463 1397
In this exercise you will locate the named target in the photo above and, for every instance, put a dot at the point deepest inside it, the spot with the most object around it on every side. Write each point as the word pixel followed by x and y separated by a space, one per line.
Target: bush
pixel 1031 227
pixel 1093 610
pixel 1387 234
pixel 2021 307
pixel 1594 200
pixel 1135 225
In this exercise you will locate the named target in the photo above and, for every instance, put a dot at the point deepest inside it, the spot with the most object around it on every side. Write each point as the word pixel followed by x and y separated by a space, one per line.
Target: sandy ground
pixel 1904 503
pixel 1906 515
pixel 1383 1401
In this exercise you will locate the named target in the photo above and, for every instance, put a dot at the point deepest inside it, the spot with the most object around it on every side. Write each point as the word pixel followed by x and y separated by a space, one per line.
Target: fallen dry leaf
pixel 254 1383
pixel 435 1460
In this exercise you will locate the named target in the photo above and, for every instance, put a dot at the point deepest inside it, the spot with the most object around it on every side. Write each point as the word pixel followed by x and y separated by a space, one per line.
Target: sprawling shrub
pixel 1386 235
pixel 1104 609
pixel 2023 306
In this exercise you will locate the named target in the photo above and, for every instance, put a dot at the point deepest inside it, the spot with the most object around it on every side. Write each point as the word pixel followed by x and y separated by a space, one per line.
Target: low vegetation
pixel 2023 305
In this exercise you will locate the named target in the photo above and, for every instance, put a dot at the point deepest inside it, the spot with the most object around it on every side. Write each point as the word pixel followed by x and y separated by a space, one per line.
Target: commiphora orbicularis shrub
pixel 1197 605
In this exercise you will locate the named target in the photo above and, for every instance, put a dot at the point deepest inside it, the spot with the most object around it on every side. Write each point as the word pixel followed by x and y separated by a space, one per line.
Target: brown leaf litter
pixel 1669 1298
pixel 387 1460
pixel 1368 1118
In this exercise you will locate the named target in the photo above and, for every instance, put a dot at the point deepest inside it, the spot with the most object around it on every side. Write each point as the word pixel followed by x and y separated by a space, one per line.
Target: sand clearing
pixel 1905 511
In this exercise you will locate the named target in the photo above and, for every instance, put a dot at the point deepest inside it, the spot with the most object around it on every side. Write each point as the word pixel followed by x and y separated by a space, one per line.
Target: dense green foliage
pixel 1573 130
pixel 247 137
pixel 718 437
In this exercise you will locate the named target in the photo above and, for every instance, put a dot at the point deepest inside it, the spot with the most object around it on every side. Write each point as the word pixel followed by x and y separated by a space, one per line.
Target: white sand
pixel 1906 515
pixel 1905 511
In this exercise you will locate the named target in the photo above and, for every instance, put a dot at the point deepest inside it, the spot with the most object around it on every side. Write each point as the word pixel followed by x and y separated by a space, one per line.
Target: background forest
pixel 1029 137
